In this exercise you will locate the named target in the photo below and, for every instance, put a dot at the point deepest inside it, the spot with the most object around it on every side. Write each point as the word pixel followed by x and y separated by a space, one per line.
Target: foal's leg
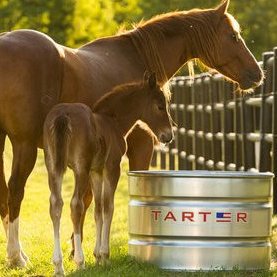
pixel 56 204
pixel 77 212
pixel 97 186
pixel 140 149
pixel 87 200
pixel 111 177
pixel 24 157
pixel 4 211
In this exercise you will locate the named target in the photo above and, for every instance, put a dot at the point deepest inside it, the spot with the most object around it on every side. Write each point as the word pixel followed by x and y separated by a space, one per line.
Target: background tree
pixel 75 22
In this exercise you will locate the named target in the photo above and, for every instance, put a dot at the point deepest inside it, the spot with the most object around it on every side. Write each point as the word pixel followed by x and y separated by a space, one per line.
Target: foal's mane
pixel 107 102
pixel 116 98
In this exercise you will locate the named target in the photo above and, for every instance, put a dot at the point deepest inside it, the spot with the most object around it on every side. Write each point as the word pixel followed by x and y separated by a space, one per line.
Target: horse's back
pixel 81 124
pixel 31 66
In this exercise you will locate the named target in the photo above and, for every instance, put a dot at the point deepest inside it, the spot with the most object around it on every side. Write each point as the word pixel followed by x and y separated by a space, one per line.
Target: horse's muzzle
pixel 252 80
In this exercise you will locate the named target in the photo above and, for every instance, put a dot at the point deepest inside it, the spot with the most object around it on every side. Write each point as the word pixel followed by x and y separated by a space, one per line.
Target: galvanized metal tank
pixel 201 220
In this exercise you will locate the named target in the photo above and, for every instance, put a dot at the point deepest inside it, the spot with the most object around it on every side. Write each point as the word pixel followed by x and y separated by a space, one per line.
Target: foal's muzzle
pixel 166 136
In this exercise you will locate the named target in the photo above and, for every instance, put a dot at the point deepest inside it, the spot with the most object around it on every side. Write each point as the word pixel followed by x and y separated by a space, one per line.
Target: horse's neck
pixel 111 61
pixel 112 52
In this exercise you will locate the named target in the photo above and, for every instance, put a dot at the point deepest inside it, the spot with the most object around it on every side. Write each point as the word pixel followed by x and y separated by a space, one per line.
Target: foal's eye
pixel 160 107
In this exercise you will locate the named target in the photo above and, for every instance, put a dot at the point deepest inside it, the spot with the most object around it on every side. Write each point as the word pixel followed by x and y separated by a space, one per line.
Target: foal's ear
pixel 152 80
pixel 222 8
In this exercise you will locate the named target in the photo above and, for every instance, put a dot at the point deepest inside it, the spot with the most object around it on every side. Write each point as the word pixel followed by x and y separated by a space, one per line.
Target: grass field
pixel 36 235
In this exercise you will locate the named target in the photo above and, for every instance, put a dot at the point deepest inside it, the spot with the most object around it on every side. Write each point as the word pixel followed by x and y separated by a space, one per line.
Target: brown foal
pixel 92 145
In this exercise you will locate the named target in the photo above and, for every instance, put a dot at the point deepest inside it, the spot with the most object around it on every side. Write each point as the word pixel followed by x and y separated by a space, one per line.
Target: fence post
pixel 189 124
pixel 207 121
pixel 274 131
pixel 216 122
pixel 228 125
pixel 173 111
pixel 198 113
pixel 180 121
pixel 266 116
pixel 247 128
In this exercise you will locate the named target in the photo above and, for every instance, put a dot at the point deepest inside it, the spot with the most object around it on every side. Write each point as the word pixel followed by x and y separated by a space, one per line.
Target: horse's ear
pixel 146 77
pixel 152 80
pixel 222 8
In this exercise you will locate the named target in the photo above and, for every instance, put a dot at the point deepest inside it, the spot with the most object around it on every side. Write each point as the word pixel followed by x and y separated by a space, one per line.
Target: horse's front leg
pixel 24 157
pixel 111 178
pixel 4 211
pixel 140 148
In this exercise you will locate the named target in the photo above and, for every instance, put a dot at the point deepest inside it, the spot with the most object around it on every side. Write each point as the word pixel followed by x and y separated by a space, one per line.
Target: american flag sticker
pixel 223 217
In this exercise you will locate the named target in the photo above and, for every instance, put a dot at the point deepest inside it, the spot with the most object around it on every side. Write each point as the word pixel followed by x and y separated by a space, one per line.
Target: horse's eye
pixel 235 36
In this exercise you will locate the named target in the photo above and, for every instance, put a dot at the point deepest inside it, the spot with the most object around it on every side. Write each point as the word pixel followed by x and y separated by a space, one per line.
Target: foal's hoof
pixel 59 271
pixel 81 266
pixel 59 274
pixel 105 261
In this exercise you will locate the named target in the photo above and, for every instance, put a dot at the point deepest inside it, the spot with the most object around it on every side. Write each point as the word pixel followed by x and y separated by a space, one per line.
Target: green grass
pixel 37 242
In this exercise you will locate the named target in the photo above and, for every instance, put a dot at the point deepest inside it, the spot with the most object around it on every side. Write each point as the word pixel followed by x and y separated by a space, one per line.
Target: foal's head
pixel 156 111
pixel 227 52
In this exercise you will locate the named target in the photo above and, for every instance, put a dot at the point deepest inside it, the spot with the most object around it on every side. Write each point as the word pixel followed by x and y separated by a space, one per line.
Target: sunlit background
pixel 75 22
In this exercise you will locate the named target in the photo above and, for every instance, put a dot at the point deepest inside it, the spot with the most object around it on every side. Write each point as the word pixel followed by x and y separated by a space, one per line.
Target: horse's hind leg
pixel 56 204
pixel 87 200
pixel 4 211
pixel 111 178
pixel 24 157
pixel 97 187
pixel 77 212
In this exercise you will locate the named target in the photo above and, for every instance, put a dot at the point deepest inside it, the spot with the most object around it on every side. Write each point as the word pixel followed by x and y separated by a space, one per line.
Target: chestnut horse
pixel 37 73
pixel 92 145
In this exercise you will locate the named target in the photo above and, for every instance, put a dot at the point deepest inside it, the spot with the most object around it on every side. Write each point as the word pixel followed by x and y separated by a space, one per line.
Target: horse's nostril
pixel 256 76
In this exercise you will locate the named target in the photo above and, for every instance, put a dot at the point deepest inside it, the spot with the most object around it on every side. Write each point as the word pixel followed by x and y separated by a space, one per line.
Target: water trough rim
pixel 200 174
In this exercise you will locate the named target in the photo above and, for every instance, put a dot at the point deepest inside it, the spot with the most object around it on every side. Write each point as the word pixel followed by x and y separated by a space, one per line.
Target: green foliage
pixel 75 22
pixel 91 19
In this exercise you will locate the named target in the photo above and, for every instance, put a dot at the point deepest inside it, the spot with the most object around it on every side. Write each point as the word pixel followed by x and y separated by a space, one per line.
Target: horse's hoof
pixel 24 256
pixel 17 262
pixel 71 255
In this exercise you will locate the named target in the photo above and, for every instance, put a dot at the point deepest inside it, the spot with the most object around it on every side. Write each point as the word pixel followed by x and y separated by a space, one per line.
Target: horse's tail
pixel 60 132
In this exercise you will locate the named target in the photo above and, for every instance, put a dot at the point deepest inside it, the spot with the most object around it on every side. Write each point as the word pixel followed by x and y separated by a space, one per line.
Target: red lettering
pixel 204 215
pixel 187 215
pixel 156 214
pixel 170 215
pixel 242 217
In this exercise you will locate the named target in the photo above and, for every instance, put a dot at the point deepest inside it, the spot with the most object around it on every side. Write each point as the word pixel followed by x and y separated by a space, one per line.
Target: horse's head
pixel 156 114
pixel 230 55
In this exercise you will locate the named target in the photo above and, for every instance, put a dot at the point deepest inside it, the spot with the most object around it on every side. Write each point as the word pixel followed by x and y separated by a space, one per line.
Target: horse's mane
pixel 196 26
